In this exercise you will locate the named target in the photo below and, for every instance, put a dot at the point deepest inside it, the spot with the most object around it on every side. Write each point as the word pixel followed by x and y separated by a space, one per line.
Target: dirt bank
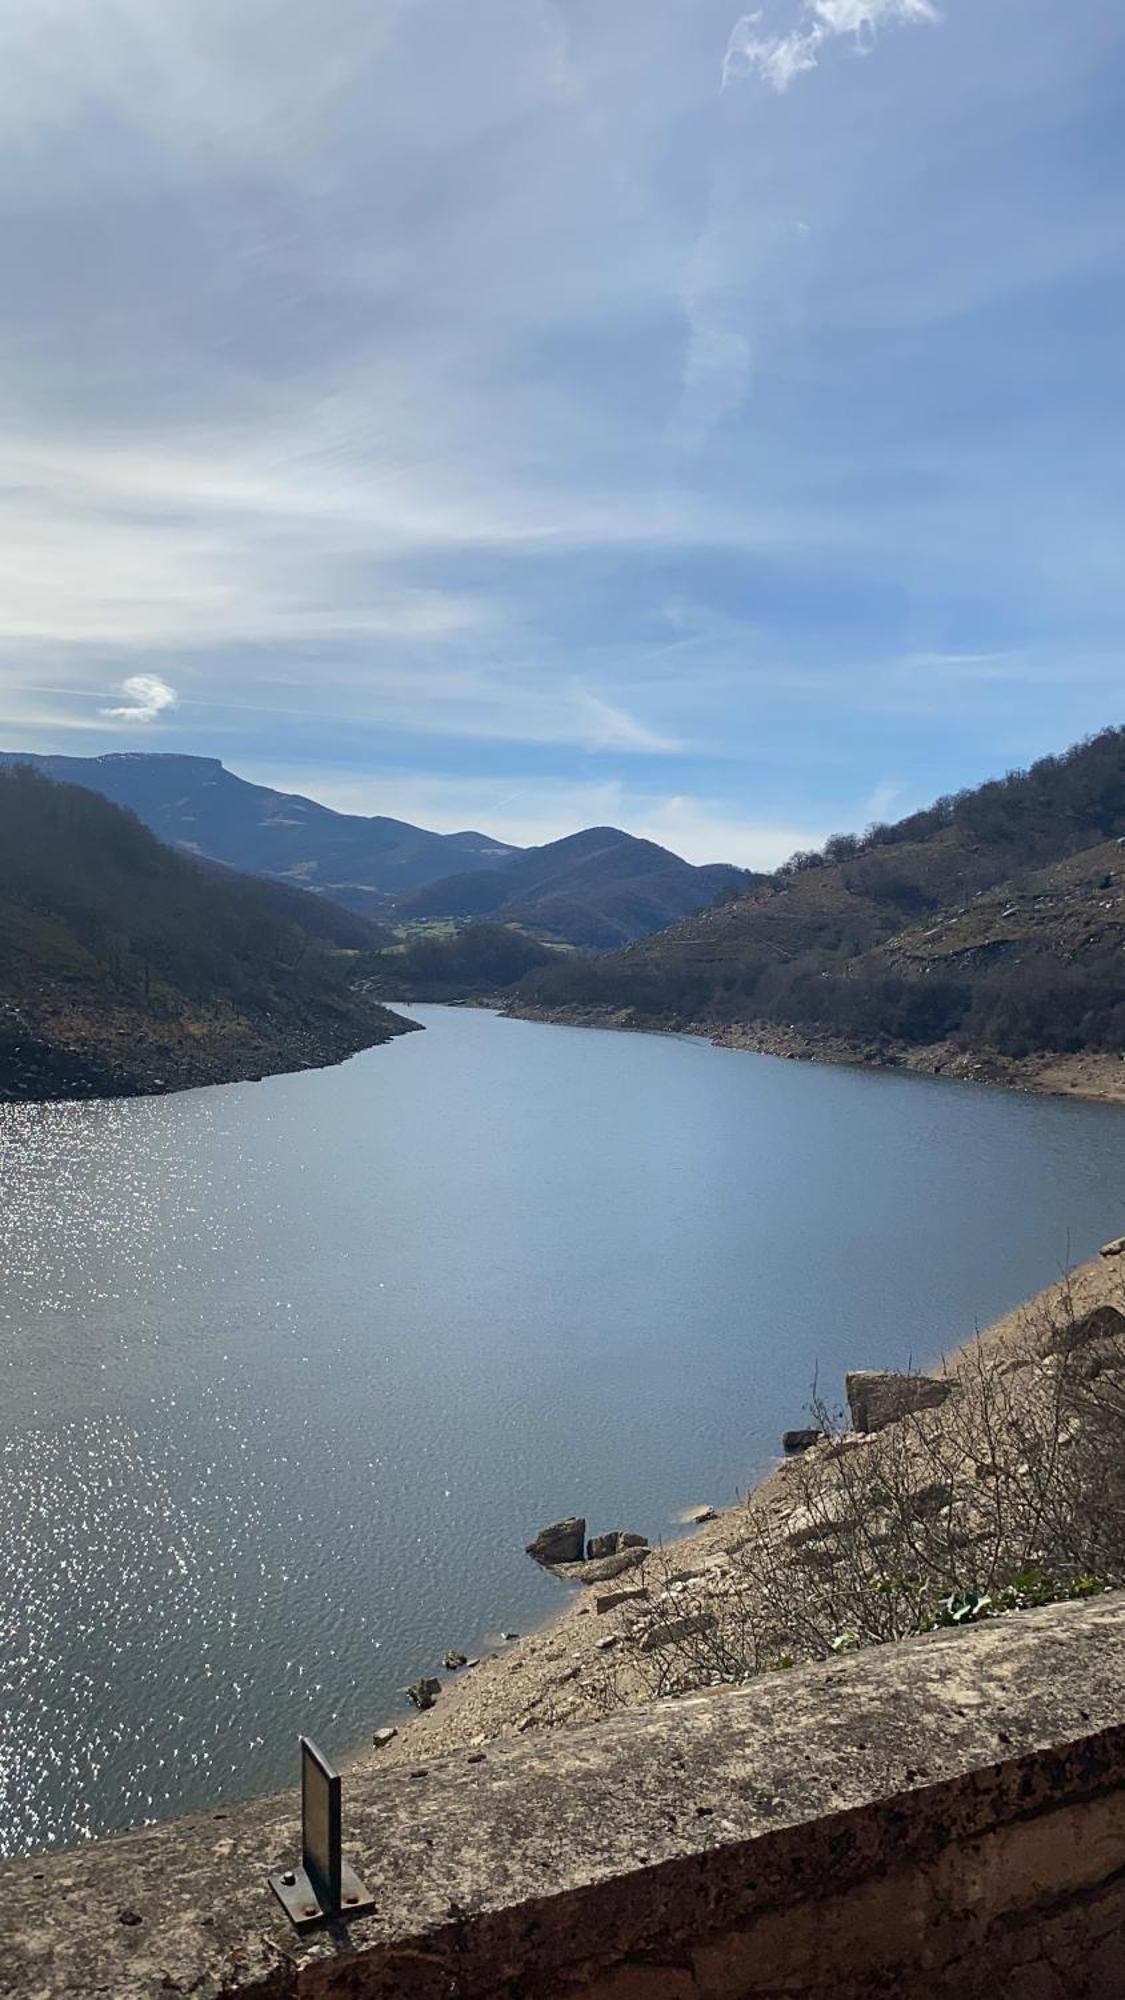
pixel 1096 1076
pixel 585 1661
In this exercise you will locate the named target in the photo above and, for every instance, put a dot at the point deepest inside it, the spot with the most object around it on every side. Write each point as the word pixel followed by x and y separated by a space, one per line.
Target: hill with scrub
pixel 126 968
pixel 995 920
pixel 599 889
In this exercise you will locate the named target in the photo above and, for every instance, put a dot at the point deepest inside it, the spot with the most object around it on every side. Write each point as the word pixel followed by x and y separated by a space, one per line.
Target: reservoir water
pixel 290 1371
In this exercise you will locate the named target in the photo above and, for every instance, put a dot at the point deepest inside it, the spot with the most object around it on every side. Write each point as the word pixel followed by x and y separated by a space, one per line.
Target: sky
pixel 538 413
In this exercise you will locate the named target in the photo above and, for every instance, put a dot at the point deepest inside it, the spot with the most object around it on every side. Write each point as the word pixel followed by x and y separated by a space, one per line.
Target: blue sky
pixel 539 412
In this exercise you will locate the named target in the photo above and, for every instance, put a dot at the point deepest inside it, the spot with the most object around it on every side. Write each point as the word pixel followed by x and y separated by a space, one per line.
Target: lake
pixel 290 1371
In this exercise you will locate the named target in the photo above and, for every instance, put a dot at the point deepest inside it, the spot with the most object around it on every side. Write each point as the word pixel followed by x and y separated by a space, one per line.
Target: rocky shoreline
pixel 1099 1077
pixel 623 1635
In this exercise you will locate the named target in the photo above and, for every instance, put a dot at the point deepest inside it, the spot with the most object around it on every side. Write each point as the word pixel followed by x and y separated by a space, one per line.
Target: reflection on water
pixel 289 1372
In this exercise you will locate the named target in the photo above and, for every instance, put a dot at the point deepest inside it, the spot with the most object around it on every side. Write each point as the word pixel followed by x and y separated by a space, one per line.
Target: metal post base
pixel 294 1891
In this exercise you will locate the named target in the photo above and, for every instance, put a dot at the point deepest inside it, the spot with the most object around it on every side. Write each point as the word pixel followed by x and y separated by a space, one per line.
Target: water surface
pixel 290 1371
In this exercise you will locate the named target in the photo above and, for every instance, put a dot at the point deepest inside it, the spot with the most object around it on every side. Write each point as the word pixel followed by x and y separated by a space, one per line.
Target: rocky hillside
pixel 126 968
pixel 996 919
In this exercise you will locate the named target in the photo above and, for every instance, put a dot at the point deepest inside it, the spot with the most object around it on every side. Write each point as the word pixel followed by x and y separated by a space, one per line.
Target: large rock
pixel 424 1693
pixel 1114 1249
pixel 613 1543
pixel 1104 1323
pixel 792 1441
pixel 604 1569
pixel 562 1542
pixel 676 1629
pixel 876 1398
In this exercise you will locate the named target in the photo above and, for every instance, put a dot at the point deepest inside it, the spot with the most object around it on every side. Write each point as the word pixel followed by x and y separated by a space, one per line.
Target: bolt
pixel 289 1879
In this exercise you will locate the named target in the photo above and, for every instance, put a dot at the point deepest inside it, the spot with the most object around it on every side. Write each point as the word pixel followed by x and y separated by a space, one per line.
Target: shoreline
pixel 557 1674
pixel 36 1070
pixel 1095 1076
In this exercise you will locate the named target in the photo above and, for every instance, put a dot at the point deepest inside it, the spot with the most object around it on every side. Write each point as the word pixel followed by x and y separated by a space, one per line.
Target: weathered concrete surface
pixel 934 1818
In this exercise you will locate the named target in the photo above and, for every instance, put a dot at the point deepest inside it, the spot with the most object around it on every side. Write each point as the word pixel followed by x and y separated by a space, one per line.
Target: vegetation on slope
pixel 996 919
pixel 599 889
pixel 127 968
pixel 473 959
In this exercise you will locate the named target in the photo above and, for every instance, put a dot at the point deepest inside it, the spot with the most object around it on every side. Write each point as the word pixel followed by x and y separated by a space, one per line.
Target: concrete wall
pixel 945 1817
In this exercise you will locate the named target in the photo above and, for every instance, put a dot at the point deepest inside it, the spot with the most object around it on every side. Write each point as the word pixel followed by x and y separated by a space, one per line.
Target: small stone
pixel 451 1661
pixel 508 1637
pixel 704 1514
pixel 382 1737
pixel 1114 1249
pixel 129 1917
pixel 609 1640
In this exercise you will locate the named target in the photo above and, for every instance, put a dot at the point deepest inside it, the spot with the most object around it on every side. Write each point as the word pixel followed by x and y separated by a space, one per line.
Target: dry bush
pixel 1009 1494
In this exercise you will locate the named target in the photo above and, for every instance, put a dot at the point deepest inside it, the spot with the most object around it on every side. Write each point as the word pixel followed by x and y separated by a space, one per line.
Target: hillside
pixel 193 803
pixel 126 968
pixel 994 920
pixel 599 889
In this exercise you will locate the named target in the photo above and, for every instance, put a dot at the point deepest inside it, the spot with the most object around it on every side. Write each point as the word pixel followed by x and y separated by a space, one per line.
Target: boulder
pixel 451 1661
pixel 1114 1249
pixel 877 1398
pixel 1104 1323
pixel 703 1514
pixel 562 1542
pixel 424 1693
pixel 382 1737
pixel 613 1598
pixel 800 1440
pixel 613 1543
pixel 604 1568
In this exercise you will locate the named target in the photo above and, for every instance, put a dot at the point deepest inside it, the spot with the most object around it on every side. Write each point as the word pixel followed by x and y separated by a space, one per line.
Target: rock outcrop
pixel 793 1441
pixel 562 1542
pixel 877 1398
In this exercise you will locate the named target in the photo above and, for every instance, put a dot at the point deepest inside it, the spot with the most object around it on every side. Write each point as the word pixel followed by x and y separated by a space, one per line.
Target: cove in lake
pixel 289 1372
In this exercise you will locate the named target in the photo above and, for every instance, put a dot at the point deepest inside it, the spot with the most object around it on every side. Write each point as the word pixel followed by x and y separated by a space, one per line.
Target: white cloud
pixel 779 58
pixel 146 697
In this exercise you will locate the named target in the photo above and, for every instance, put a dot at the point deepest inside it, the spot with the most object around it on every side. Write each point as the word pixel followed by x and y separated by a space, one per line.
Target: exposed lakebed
pixel 289 1372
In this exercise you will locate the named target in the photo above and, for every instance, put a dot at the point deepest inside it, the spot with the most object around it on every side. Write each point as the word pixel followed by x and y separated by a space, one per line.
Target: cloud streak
pixel 780 58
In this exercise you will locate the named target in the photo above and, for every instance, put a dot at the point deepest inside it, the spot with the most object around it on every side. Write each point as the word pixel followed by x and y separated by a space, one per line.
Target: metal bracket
pixel 324 1887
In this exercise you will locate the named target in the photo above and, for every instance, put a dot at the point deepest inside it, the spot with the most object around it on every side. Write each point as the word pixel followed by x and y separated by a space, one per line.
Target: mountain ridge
pixel 598 888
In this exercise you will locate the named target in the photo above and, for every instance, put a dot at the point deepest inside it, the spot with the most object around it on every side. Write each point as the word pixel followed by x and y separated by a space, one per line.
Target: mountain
pixel 197 805
pixel 599 889
pixel 994 919
pixel 127 968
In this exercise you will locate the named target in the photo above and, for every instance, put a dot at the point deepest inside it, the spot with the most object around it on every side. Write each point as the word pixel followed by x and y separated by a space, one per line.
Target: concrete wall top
pixel 497 1870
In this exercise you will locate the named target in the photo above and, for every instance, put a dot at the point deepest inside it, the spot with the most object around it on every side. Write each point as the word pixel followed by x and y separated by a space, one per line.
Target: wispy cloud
pixel 146 697
pixel 780 58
